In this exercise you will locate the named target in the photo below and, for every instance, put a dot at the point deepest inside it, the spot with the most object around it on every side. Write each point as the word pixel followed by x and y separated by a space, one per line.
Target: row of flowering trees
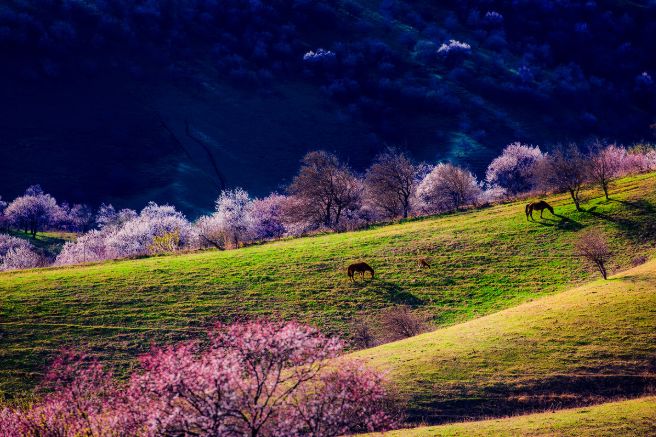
pixel 326 194
pixel 252 379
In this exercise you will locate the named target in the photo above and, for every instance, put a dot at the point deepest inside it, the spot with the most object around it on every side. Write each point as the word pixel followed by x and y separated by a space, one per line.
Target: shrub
pixel 165 243
pixel 401 322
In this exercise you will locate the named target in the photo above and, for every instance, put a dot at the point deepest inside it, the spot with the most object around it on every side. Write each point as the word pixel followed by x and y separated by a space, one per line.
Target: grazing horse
pixel 538 206
pixel 422 262
pixel 359 268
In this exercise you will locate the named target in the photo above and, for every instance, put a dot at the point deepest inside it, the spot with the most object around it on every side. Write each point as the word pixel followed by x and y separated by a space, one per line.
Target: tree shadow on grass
pixel 639 225
pixel 564 223
pixel 398 295
pixel 643 205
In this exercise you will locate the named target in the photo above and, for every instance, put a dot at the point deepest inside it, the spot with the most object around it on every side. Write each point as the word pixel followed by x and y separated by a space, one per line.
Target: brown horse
pixel 538 206
pixel 359 268
pixel 423 262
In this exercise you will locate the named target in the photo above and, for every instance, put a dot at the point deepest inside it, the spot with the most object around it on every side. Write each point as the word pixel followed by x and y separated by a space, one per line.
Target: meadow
pixel 585 345
pixel 483 261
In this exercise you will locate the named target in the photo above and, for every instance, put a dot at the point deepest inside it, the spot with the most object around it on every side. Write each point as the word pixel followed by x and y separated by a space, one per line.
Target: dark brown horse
pixel 359 268
pixel 538 206
pixel 423 263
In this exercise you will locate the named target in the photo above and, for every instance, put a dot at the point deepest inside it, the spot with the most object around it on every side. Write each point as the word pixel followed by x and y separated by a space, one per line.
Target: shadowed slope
pixel 634 417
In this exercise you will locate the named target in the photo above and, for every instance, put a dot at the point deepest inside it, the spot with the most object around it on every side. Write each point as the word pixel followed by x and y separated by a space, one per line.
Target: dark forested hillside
pixel 173 99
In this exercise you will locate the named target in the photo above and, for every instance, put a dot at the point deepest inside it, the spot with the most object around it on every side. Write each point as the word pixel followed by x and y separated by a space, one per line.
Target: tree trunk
pixel 602 269
pixel 575 198
pixel 328 220
pixel 605 187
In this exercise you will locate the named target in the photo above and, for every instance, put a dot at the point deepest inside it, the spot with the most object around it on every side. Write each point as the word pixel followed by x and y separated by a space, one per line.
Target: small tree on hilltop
pixel 390 183
pixel 326 188
pixel 592 246
pixel 604 164
pixel 566 170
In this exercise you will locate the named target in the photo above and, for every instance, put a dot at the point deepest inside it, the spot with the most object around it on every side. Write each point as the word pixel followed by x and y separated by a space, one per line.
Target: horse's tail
pixel 527 210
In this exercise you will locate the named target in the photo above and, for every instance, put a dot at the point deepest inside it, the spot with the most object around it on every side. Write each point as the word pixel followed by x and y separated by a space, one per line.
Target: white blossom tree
pixel 513 170
pixel 447 188
pixel 33 211
pixel 17 253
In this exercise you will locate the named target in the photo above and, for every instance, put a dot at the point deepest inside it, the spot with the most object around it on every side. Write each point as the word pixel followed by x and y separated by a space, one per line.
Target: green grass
pixel 49 243
pixel 483 261
pixel 580 346
pixel 635 417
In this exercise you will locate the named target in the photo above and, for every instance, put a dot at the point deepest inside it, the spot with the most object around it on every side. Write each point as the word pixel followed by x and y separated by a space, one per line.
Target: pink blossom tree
pixel 639 159
pixel 513 169
pixel 268 218
pixel 605 164
pixel 256 379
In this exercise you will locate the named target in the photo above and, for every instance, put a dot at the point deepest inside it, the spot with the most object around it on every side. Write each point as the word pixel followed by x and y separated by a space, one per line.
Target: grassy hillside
pixel 633 417
pixel 578 346
pixel 483 261
pixel 49 243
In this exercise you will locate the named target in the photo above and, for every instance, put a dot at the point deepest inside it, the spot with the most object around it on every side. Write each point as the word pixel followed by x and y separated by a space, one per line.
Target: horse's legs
pixel 541 212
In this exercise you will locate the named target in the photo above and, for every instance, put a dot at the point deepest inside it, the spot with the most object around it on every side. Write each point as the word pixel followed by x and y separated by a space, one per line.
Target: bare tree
pixel 593 247
pixel 363 333
pixel 390 183
pixel 326 188
pixel 566 170
pixel 401 322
